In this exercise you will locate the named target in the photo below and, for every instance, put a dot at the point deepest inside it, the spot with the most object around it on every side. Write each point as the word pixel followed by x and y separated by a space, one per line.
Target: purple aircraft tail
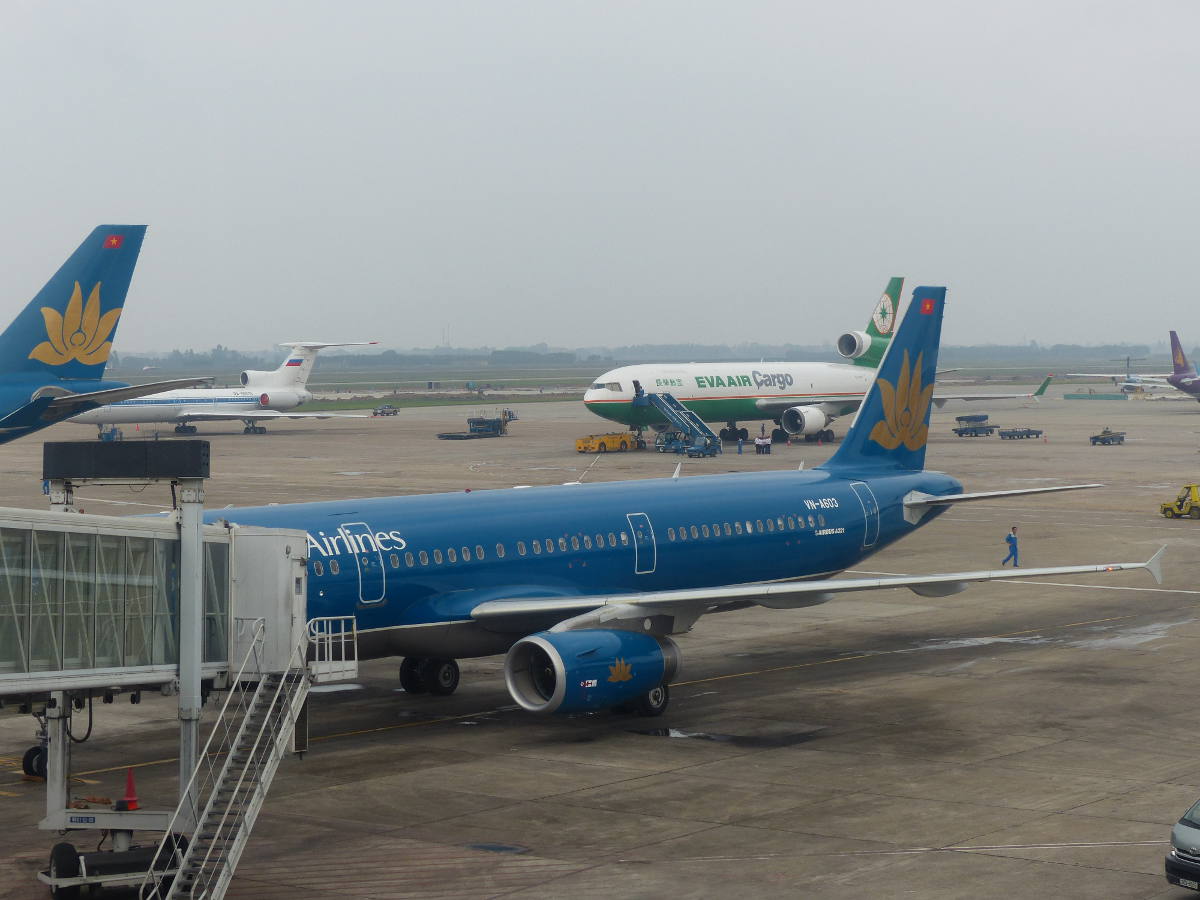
pixel 1182 366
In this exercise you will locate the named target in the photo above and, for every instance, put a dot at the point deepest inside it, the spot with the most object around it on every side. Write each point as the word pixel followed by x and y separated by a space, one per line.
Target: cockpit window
pixel 614 386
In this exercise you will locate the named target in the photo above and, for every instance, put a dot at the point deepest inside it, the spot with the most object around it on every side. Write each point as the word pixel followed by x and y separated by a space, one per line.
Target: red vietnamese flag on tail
pixel 927 306
pixel 114 241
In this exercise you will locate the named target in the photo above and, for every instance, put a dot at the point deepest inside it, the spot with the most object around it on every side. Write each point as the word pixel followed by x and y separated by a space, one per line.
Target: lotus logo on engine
pixel 620 671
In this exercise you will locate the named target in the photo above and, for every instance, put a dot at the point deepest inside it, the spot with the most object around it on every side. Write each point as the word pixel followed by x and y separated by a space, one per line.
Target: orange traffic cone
pixel 130 800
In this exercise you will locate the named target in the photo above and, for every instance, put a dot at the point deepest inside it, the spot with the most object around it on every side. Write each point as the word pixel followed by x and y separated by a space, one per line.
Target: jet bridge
pixel 96 606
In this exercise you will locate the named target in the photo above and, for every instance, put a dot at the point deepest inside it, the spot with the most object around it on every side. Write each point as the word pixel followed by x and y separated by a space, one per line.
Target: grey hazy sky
pixel 609 172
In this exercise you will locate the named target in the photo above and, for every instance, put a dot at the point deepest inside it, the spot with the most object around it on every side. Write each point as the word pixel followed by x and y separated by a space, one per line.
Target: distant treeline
pixel 223 359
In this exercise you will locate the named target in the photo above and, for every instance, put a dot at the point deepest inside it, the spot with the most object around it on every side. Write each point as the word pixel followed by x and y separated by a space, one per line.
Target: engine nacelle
pixel 851 345
pixel 279 398
pixel 803 420
pixel 857 344
pixel 577 671
pixel 260 377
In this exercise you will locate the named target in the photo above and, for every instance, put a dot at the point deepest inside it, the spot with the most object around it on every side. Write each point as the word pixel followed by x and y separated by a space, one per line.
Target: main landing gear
pixel 185 429
pixel 732 433
pixel 652 703
pixel 251 428
pixel 419 675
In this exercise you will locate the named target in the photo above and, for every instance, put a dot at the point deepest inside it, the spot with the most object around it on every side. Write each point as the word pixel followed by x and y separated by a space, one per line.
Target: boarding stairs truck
pixel 691 435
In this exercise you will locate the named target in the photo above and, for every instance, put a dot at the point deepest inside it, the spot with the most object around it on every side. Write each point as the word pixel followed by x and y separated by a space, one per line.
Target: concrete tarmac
pixel 1018 739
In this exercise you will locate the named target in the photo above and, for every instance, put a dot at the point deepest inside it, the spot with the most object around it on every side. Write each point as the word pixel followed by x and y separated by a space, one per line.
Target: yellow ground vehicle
pixel 1186 504
pixel 617 441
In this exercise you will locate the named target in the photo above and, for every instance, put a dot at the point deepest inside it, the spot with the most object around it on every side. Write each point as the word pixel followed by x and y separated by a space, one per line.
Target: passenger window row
pixel 749 526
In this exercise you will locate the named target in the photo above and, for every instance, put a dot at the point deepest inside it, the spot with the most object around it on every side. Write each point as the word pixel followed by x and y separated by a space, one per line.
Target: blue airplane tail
pixel 66 331
pixel 892 425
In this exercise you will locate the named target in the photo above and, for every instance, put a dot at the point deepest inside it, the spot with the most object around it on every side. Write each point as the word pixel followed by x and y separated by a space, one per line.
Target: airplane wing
pixel 264 414
pixel 1123 376
pixel 674 612
pixel 941 399
pixel 54 403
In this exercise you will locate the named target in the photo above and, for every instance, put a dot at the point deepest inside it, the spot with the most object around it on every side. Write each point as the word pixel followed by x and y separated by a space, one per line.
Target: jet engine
pixel 855 344
pixel 280 398
pixel 266 377
pixel 803 420
pixel 576 671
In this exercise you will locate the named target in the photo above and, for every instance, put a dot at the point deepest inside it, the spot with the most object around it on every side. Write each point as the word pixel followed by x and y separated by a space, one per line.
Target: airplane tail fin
pixel 892 424
pixel 295 369
pixel 1178 360
pixel 66 331
pixel 866 348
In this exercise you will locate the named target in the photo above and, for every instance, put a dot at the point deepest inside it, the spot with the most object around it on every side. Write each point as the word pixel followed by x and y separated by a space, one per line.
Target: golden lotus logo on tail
pixel 620 671
pixel 80 335
pixel 904 407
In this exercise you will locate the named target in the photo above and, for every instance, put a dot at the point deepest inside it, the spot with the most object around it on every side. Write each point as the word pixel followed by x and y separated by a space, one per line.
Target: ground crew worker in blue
pixel 1011 540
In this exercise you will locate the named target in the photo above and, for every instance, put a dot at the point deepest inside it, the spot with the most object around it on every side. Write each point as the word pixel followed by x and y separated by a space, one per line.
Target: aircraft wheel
pixel 34 761
pixel 439 676
pixel 410 678
pixel 827 436
pixel 64 863
pixel 654 702
pixel 743 434
pixel 779 436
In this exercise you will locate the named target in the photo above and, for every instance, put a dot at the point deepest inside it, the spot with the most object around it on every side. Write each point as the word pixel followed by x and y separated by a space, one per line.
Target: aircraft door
pixel 372 577
pixel 645 556
pixel 870 508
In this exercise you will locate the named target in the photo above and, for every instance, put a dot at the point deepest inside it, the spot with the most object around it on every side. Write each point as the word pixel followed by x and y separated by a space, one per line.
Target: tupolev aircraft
pixel 262 396
pixel 585 586
pixel 53 355
pixel 802 398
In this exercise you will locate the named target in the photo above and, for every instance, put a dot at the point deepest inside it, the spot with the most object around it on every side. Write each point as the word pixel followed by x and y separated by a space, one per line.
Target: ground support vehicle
pixel 1108 437
pixel 1019 434
pixel 1186 505
pixel 975 430
pixel 482 427
pixel 386 410
pixel 616 441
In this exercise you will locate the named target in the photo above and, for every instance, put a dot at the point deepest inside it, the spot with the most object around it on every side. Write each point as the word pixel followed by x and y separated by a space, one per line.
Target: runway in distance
pixel 801 398
pixel 263 396
pixel 53 355
pixel 584 586
pixel 1182 377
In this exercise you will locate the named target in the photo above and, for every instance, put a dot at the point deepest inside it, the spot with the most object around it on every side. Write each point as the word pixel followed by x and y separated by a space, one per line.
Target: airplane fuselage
pixel 728 392
pixel 412 568
pixel 183 404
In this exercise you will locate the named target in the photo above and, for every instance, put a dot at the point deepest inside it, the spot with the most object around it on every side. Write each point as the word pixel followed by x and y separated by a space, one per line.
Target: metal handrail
pixel 203 780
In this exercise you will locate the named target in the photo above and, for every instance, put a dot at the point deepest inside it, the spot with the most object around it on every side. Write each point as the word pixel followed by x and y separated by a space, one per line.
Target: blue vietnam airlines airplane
pixel 585 585
pixel 52 356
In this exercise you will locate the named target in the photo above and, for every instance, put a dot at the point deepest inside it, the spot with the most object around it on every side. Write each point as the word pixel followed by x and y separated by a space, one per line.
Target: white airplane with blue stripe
pixel 585 587
pixel 262 396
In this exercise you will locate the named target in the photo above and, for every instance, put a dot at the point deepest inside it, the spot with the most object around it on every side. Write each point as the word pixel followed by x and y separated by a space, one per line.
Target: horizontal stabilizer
pixel 502 615
pixel 54 403
pixel 916 503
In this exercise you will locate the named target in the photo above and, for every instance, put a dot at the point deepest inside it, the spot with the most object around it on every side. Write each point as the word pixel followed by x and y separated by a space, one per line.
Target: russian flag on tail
pixel 293 362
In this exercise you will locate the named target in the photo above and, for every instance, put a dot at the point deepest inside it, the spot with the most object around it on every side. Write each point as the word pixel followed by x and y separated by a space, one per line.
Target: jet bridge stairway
pixel 252 734
pixel 696 438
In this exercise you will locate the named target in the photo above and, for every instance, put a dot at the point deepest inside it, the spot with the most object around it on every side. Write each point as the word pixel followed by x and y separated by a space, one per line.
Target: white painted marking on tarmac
pixel 1128 638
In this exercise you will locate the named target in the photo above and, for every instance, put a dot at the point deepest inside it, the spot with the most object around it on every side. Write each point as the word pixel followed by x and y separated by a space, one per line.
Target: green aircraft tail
pixel 866 348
